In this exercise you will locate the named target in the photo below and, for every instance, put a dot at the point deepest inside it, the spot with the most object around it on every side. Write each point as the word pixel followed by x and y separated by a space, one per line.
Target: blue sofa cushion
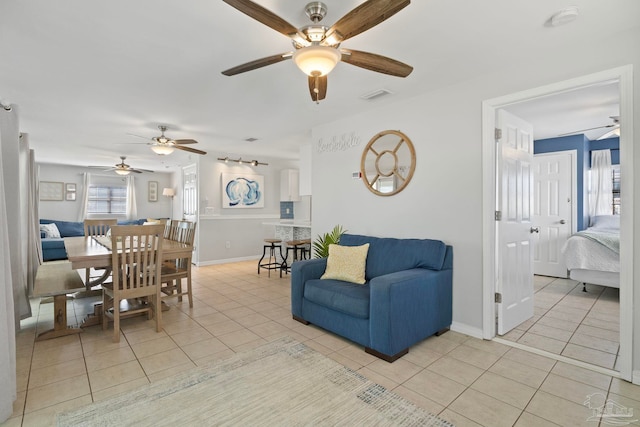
pixel 48 244
pixel 66 228
pixel 348 298
pixel 389 255
pixel 132 221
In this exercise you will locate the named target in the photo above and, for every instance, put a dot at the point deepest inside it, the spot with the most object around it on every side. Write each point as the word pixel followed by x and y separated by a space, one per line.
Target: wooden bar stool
pixel 306 248
pixel 299 251
pixel 273 263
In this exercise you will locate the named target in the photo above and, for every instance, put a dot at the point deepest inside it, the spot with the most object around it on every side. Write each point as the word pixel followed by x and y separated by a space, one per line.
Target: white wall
pixel 69 210
pixel 235 234
pixel 444 199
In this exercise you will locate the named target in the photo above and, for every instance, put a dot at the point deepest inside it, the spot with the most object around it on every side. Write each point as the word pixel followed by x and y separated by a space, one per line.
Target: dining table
pixel 95 252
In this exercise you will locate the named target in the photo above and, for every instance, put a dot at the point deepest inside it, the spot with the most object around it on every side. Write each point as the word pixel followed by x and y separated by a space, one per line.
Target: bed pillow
pixel 50 231
pixel 347 263
pixel 605 221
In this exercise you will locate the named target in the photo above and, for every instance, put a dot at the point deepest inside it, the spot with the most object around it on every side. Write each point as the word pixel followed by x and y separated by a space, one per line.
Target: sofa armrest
pixel 408 306
pixel 301 271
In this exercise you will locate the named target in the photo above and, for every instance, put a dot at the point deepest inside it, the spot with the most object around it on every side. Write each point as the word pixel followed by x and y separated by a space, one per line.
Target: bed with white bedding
pixel 593 255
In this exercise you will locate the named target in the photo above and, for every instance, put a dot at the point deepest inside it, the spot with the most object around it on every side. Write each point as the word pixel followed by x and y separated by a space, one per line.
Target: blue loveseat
pixel 407 296
pixel 53 248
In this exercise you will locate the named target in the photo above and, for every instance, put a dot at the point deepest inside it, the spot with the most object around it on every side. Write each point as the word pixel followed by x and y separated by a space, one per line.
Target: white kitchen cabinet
pixel 289 185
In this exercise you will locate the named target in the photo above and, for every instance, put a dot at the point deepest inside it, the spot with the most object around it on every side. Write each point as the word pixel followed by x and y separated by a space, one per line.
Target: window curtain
pixel 35 213
pixel 84 203
pixel 601 184
pixel 8 312
pixel 132 210
pixel 30 228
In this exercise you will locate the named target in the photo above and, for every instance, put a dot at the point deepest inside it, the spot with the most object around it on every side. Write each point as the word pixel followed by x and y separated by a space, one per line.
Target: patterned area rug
pixel 280 383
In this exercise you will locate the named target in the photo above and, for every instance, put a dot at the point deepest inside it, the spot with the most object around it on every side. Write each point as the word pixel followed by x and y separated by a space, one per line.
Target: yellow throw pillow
pixel 347 263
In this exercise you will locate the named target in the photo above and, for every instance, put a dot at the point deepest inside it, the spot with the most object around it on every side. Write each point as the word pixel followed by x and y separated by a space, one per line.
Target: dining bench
pixel 57 279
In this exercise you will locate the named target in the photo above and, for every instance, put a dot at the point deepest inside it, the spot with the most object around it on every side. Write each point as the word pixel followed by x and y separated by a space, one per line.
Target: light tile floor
pixel 467 381
pixel 581 325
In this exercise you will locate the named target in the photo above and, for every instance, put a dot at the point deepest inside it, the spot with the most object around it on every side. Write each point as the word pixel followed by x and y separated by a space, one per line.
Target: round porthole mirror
pixel 388 162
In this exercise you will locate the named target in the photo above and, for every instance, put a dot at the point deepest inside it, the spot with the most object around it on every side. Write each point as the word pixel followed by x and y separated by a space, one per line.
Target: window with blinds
pixel 615 171
pixel 107 199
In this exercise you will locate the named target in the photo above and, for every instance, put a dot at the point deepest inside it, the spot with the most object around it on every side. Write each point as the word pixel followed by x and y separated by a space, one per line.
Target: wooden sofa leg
pixel 386 357
pixel 441 331
pixel 300 319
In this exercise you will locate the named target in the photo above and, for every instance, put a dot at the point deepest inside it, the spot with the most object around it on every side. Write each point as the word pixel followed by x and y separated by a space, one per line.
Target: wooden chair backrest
pixel 181 231
pixel 98 227
pixel 136 252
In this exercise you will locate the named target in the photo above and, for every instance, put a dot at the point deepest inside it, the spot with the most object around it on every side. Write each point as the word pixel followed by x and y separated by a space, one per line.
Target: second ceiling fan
pixel 164 145
pixel 317 48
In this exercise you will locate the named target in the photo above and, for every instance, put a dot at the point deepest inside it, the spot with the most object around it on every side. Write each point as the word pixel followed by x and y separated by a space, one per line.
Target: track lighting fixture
pixel 240 161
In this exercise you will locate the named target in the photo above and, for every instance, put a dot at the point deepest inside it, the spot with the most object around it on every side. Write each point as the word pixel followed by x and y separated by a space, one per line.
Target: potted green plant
pixel 322 242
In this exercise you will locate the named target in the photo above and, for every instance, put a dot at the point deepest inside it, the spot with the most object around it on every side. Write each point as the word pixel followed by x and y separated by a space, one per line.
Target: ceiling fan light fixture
pixel 122 172
pixel 317 59
pixel 162 149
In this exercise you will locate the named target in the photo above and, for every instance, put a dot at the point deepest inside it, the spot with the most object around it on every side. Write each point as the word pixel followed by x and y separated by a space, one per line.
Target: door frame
pixel 624 76
pixel 573 156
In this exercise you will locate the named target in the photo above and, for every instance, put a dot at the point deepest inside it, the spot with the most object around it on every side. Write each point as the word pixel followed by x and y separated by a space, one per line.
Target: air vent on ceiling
pixel 376 94
pixel 251 139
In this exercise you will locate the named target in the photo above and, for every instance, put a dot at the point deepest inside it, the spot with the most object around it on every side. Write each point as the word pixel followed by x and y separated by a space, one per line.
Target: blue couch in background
pixel 407 296
pixel 53 248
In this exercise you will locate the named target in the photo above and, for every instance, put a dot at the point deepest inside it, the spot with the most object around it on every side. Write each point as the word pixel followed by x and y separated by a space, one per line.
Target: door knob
pixel 562 221
pixel 534 230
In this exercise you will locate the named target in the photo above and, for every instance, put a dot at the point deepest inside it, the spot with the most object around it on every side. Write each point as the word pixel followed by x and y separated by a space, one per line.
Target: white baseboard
pixel 467 330
pixel 228 260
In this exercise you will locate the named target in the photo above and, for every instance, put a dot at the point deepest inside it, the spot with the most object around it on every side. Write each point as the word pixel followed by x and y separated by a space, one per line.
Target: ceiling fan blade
pixel 374 62
pixel 585 130
pixel 185 141
pixel 103 168
pixel 318 87
pixel 258 63
pixel 367 15
pixel 138 136
pixel 264 16
pixel 134 170
pixel 189 149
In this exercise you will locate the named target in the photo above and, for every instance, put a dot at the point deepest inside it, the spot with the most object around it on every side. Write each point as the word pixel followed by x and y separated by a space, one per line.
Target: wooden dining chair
pixel 95 228
pixel 174 271
pixel 136 253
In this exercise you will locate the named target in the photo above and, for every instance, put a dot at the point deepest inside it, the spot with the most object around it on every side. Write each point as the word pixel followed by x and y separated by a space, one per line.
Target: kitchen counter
pixel 291 230
pixel 298 224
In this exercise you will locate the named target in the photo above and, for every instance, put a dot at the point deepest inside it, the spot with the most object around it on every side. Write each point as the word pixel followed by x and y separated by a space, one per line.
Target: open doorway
pixel 623 76
pixel 579 319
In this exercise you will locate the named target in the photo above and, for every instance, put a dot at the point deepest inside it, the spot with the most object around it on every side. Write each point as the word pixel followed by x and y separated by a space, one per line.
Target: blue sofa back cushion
pixel 389 255
pixel 66 228
pixel 76 228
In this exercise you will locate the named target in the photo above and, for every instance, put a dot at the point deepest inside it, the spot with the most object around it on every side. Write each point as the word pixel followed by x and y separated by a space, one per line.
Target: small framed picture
pixel 71 196
pixel 70 187
pixel 153 191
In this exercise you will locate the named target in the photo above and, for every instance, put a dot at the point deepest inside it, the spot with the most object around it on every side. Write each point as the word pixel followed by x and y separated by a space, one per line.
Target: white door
pixel 553 189
pixel 514 226
pixel 190 203
pixel 189 193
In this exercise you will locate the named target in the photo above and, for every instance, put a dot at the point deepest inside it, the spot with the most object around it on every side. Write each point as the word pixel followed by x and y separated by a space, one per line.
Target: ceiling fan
pixel 317 47
pixel 615 129
pixel 163 145
pixel 122 168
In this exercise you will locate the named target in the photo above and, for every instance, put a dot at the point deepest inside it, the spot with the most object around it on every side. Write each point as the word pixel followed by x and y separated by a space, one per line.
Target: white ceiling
pixel 86 74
